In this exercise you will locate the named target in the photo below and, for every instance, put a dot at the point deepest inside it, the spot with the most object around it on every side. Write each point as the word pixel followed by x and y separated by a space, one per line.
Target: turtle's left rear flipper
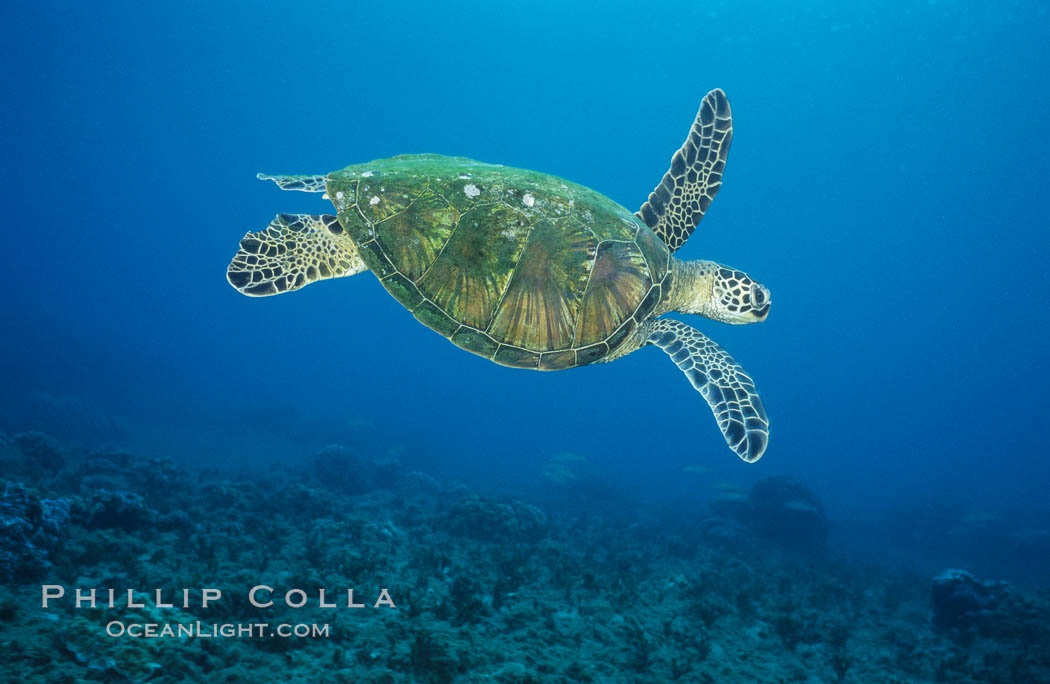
pixel 292 252
pixel 729 390
pixel 300 183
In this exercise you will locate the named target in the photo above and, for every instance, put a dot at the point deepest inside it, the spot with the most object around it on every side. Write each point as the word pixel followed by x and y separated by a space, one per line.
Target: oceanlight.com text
pixel 199 630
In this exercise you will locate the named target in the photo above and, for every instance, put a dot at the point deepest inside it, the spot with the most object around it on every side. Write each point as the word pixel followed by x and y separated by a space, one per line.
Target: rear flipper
pixel 292 252
pixel 301 183
pixel 728 389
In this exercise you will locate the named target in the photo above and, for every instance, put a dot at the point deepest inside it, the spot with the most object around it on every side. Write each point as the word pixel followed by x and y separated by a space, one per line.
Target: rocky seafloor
pixel 486 588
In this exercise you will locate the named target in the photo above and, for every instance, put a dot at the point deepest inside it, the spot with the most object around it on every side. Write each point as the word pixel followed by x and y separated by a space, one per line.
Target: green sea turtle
pixel 529 270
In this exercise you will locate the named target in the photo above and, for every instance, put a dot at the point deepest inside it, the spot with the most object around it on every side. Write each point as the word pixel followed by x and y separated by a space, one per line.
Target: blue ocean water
pixel 887 181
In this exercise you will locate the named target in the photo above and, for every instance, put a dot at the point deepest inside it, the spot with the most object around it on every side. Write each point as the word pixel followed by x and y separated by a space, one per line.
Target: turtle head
pixel 736 298
pixel 719 292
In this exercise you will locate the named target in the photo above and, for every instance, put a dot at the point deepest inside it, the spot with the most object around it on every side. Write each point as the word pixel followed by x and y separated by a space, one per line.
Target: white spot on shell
pixel 471 190
pixel 374 201
pixel 366 174
pixel 339 195
pixel 528 200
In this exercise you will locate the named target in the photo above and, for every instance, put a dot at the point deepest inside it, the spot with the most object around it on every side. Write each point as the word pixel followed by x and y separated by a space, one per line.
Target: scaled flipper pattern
pixel 678 203
pixel 728 389
pixel 300 183
pixel 292 252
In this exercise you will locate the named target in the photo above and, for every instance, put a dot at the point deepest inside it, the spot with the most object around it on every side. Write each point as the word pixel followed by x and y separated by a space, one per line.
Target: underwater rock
pixel 723 530
pixel 724 524
pixel 302 502
pixel 69 418
pixel 342 470
pixel 54 517
pixel 960 599
pixel 105 463
pixel 106 509
pixel 40 453
pixel 497 520
pixel 783 509
pixel 129 659
pixel 101 471
pixel 468 600
pixel 155 476
pixel 420 482
pixel 119 470
pixel 175 520
pixel 434 656
pixel 12 462
pixel 29 526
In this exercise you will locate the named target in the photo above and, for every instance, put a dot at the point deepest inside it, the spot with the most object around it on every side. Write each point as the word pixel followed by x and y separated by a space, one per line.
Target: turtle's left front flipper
pixel 728 389
pixel 677 204
pixel 292 252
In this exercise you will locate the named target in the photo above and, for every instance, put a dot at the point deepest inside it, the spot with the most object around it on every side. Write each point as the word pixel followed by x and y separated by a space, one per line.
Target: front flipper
pixel 728 389
pixel 678 203
pixel 292 252
pixel 301 183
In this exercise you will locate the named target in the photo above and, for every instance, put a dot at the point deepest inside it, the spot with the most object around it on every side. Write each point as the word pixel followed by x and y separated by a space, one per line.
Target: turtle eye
pixel 758 295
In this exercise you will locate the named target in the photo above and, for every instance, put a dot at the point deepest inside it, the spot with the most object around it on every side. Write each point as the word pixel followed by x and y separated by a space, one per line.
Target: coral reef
pixel 959 599
pixel 497 520
pixel 29 527
pixel 485 588
pixel 343 470
pixel 32 455
pixel 106 509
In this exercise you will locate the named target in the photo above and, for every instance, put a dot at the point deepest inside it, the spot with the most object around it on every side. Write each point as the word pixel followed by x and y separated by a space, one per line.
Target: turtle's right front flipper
pixel 728 389
pixel 292 252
